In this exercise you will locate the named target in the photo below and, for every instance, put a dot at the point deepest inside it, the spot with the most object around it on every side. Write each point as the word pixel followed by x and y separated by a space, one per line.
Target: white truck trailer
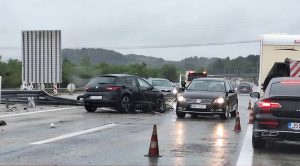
pixel 276 48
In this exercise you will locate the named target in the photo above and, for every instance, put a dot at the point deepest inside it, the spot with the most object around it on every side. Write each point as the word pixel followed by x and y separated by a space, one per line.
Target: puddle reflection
pixel 180 133
pixel 218 145
pixel 219 134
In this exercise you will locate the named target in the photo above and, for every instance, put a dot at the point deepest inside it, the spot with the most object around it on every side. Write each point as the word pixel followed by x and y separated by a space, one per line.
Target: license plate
pixel 96 97
pixel 294 126
pixel 198 106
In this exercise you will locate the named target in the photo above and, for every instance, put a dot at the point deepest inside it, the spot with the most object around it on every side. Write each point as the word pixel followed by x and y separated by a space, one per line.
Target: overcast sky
pixel 131 24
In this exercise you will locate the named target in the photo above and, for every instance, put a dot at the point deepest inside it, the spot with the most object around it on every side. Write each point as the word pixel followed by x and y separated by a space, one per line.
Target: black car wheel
pixel 89 108
pixel 160 105
pixel 180 114
pixel 258 143
pixel 233 113
pixel 125 104
pixel 226 114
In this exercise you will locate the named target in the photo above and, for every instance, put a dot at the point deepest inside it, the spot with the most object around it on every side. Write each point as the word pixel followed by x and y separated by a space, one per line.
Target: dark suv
pixel 125 93
pixel 276 115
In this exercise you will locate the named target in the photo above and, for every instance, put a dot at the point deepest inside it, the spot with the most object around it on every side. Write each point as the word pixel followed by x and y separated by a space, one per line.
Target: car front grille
pixel 203 101
pixel 166 90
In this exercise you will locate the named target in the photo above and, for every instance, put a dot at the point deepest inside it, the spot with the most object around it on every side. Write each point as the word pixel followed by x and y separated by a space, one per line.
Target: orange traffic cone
pixel 153 149
pixel 249 105
pixel 251 117
pixel 237 126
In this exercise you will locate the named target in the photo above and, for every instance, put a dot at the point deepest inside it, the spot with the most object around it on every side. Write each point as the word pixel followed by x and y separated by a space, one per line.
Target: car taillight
pixel 113 88
pixel 266 106
pixel 271 124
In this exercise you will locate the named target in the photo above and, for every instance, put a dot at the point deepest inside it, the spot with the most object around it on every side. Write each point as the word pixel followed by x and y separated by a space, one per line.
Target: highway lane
pixel 189 141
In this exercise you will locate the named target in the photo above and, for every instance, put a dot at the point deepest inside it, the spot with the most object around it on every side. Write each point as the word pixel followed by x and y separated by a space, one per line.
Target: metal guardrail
pixel 39 96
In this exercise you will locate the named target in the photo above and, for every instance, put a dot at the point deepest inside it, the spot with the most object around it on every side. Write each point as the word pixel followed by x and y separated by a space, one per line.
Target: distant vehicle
pixel 275 49
pixel 245 87
pixel 234 84
pixel 277 112
pixel 123 92
pixel 192 76
pixel 165 86
pixel 209 96
pixel 189 76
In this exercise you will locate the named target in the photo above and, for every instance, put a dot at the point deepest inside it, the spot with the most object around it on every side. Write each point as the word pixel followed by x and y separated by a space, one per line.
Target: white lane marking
pixel 74 134
pixel 36 112
pixel 246 154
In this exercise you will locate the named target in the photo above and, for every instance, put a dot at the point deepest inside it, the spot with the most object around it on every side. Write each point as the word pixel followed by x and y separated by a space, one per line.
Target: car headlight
pixel 174 91
pixel 220 100
pixel 180 98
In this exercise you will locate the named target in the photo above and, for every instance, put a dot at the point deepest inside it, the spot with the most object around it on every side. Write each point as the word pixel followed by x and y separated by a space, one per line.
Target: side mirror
pixel 255 95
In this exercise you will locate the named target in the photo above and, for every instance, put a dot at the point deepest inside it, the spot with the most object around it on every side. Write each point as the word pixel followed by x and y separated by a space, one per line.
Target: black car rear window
pixel 285 89
pixel 102 80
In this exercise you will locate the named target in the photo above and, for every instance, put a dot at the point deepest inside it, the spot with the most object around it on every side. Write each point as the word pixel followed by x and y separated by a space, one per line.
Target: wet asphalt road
pixel 123 139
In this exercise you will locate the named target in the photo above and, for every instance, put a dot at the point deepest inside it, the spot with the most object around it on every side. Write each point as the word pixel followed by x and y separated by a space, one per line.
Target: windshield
pixel 164 83
pixel 207 85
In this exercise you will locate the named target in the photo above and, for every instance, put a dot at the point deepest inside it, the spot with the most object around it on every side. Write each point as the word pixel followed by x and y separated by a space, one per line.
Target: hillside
pixel 98 55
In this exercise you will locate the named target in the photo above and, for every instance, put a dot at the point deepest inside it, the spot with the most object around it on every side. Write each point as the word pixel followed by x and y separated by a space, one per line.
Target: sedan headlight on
pixel 220 100
pixel 174 91
pixel 180 98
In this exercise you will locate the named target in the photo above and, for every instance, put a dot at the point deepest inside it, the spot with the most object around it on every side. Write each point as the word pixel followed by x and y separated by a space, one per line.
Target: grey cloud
pixel 125 23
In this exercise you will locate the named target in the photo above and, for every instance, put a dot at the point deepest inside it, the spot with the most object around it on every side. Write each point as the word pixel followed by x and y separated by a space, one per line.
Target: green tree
pixel 67 71
pixel 11 72
pixel 85 69
pixel 169 72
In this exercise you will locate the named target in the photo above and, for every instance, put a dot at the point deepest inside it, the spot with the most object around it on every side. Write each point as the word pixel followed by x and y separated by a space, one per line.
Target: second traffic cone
pixel 237 126
pixel 153 149
pixel 249 105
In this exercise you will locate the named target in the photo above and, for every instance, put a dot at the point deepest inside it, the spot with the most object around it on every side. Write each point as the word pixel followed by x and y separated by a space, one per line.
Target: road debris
pixel 2 123
pixel 52 125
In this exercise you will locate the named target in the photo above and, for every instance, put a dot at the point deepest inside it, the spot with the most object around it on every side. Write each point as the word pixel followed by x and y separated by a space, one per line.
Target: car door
pixel 133 88
pixel 231 96
pixel 146 91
